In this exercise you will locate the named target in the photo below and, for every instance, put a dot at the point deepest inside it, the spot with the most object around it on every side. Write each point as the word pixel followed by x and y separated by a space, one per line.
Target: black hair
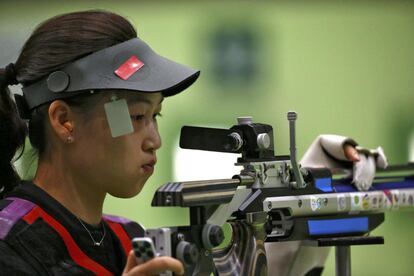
pixel 12 135
pixel 52 45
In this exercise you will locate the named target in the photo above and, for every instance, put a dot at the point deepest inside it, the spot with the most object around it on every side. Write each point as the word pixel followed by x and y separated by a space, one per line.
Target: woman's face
pixel 119 166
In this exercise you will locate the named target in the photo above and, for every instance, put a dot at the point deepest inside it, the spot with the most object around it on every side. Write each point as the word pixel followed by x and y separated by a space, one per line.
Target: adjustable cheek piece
pixel 130 66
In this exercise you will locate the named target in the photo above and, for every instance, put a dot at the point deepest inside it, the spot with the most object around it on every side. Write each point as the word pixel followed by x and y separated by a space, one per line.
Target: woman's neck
pixel 81 199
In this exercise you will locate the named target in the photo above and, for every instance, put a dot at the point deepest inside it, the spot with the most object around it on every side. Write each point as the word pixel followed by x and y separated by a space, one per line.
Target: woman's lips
pixel 149 167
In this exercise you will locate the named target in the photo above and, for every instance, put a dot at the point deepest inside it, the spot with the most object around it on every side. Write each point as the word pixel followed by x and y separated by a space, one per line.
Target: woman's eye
pixel 137 117
pixel 157 115
pixel 142 117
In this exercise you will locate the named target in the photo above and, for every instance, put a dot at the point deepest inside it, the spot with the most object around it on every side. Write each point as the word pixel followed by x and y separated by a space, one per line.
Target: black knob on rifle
pixel 212 236
pixel 233 142
pixel 187 252
pixel 216 236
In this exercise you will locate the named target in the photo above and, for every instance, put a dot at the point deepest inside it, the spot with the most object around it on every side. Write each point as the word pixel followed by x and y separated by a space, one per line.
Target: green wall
pixel 346 67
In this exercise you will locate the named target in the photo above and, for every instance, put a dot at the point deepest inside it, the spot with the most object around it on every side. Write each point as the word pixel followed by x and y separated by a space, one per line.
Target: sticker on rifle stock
pixel 341 203
pixel 381 201
pixel 410 200
pixel 392 199
pixel 315 203
pixel 387 198
pixel 356 201
pixel 366 202
pixel 396 199
pixel 374 201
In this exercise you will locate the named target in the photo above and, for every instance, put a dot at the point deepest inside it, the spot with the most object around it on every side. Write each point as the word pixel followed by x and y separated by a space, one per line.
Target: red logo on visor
pixel 129 67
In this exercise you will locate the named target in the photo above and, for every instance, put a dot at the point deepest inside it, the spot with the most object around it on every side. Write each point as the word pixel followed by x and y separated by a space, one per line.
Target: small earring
pixel 69 139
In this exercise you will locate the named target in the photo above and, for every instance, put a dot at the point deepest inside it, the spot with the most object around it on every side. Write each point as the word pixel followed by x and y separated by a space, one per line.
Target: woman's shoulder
pixel 11 263
pixel 12 211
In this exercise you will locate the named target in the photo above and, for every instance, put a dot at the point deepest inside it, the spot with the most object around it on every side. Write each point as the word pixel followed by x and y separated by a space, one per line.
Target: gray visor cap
pixel 97 72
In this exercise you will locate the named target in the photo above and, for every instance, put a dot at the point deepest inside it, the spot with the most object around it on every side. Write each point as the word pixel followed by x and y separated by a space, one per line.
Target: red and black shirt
pixel 39 236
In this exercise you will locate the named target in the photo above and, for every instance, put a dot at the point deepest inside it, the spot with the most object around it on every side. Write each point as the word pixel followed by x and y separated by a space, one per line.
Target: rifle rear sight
pixel 253 140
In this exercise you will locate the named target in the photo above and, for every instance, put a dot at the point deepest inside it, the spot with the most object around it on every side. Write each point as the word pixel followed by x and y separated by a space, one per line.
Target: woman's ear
pixel 62 121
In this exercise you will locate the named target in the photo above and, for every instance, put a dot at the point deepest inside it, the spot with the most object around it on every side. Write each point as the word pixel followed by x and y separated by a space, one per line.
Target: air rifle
pixel 273 199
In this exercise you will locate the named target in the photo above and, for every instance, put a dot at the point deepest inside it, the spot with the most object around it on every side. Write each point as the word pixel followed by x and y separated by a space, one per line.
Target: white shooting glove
pixel 328 151
pixel 364 169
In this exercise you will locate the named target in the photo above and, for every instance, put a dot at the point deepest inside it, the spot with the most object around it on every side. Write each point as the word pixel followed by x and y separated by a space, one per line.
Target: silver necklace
pixel 95 243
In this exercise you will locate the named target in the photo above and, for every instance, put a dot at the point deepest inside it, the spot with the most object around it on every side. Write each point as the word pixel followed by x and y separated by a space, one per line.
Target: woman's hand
pixel 153 267
pixel 364 166
pixel 351 153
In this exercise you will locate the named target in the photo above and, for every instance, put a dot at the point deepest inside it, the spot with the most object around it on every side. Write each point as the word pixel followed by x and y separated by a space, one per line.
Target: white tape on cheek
pixel 118 117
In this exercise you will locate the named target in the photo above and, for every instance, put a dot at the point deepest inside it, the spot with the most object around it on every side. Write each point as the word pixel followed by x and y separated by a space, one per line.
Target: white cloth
pixel 364 170
pixel 326 151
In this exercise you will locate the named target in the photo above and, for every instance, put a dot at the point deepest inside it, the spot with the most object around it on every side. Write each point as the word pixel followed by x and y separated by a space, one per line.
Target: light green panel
pixel 346 67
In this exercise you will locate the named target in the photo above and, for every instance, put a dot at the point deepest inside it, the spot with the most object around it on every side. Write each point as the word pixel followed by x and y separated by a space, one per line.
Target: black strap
pixel 22 107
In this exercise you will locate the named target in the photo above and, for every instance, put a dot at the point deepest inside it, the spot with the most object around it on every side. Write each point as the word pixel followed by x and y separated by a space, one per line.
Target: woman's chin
pixel 127 192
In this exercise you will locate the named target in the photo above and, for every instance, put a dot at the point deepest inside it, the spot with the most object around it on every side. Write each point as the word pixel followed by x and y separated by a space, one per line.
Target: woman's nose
pixel 152 141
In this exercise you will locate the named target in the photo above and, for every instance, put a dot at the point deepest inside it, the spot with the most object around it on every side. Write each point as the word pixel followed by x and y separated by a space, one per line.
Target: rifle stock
pixel 271 200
